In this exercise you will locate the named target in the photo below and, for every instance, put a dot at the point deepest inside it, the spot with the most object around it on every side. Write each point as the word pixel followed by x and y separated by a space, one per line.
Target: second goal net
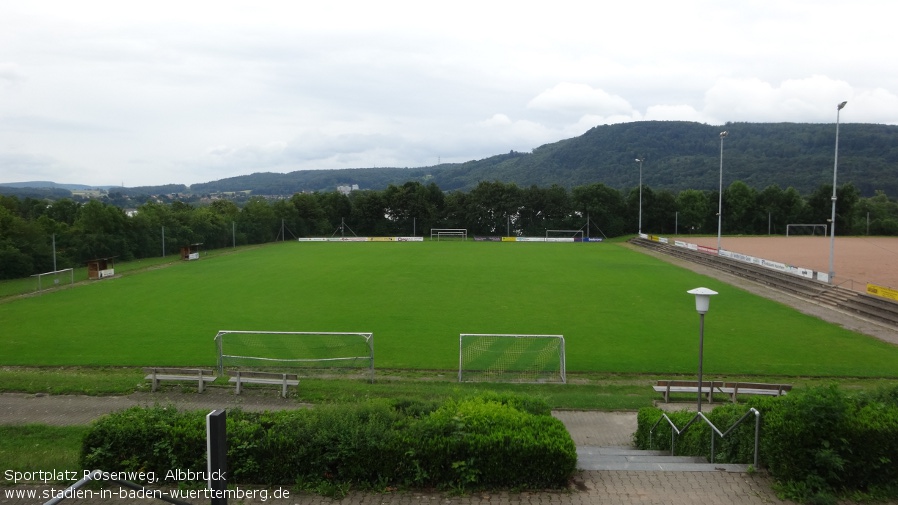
pixel 307 353
pixel 511 358
pixel 793 230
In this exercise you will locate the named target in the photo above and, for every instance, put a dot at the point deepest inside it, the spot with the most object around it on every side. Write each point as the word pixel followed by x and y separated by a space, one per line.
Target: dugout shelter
pixel 101 268
pixel 191 252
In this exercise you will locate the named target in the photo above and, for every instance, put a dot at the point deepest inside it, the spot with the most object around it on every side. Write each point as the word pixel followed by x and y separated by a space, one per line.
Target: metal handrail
pixel 675 432
pixel 98 475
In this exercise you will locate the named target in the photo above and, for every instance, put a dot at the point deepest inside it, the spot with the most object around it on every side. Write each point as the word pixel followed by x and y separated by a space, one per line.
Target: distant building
pixel 345 190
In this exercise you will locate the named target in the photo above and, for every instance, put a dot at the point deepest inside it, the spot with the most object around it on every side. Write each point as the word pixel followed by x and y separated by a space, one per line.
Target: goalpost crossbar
pixel 449 232
pixel 812 226
pixel 294 349
pixel 40 277
pixel 511 357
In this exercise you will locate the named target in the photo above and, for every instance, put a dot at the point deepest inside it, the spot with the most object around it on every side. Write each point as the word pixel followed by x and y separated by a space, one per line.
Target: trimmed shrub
pixel 478 442
pixel 816 442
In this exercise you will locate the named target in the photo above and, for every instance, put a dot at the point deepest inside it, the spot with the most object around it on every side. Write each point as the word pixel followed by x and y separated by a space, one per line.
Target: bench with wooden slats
pixel 199 375
pixel 240 377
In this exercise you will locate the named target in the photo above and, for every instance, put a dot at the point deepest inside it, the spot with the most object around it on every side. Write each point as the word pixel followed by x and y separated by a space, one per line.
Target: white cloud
pixel 579 98
pixel 104 92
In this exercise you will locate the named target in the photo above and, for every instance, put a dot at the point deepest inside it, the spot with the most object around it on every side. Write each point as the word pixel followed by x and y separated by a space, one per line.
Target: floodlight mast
pixel 832 225
pixel 723 135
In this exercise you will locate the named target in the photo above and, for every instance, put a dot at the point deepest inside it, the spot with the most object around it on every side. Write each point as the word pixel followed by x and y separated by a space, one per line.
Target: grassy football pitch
pixel 619 310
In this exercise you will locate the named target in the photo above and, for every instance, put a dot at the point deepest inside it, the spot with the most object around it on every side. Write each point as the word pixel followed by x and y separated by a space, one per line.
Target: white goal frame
pixel 448 232
pixel 298 363
pixel 810 225
pixel 55 272
pixel 555 366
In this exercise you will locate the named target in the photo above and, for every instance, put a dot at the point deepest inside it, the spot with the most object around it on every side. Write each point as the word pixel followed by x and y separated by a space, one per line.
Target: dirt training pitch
pixel 856 260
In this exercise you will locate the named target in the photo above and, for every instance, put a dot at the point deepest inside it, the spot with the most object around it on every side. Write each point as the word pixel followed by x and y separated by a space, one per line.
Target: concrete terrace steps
pixel 859 304
pixel 629 459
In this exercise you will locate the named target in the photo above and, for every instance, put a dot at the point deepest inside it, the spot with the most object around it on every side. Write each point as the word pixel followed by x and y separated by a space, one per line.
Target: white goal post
pixel 55 278
pixel 792 228
pixel 504 357
pixel 448 232
pixel 305 352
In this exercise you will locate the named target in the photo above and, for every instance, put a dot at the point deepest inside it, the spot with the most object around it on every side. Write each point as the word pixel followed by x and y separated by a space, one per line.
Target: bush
pixel 816 443
pixel 486 441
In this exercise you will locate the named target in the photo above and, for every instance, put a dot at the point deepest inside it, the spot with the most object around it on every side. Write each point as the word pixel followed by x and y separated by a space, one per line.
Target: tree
pixel 694 210
pixel 257 221
pixel 740 214
pixel 603 206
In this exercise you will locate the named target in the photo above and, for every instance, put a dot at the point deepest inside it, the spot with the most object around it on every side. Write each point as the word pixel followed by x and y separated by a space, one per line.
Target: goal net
pixel 55 279
pixel 307 353
pixel 511 358
pixel 448 233
pixel 794 230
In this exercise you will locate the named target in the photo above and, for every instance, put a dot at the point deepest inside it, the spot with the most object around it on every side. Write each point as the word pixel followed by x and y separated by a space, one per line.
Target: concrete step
pixel 625 458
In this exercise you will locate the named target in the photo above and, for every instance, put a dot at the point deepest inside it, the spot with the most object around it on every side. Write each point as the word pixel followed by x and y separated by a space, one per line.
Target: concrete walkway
pixel 588 430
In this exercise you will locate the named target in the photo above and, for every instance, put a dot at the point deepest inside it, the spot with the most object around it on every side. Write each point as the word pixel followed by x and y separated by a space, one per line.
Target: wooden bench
pixel 666 387
pixel 201 376
pixel 283 379
pixel 754 388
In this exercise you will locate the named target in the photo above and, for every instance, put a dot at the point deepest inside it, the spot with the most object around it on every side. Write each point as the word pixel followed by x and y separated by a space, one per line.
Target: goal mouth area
pixel 516 358
pixel 311 354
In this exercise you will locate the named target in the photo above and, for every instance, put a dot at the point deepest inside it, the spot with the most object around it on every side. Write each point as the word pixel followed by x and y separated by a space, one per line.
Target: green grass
pixel 620 311
pixel 33 447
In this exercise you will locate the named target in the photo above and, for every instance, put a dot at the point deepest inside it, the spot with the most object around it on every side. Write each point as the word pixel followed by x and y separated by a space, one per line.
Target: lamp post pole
pixel 832 223
pixel 702 302
pixel 640 160
pixel 723 135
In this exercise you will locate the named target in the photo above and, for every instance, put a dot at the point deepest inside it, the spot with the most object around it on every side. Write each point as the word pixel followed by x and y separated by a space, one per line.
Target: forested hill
pixel 678 155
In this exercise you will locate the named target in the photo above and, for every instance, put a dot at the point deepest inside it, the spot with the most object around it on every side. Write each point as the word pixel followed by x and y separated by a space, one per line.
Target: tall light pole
pixel 832 225
pixel 723 135
pixel 640 160
pixel 702 302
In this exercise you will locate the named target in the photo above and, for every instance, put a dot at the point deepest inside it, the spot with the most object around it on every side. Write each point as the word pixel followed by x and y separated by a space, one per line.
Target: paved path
pixel 586 428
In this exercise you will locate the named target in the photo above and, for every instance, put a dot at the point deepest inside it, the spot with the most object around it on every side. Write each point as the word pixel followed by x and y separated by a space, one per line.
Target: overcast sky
pixel 147 93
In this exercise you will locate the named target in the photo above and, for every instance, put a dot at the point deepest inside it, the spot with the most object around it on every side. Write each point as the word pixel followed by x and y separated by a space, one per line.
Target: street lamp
pixel 832 226
pixel 640 160
pixel 702 302
pixel 723 135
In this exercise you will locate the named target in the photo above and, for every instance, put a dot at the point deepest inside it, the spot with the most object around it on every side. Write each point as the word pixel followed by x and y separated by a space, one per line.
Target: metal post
pixel 701 345
pixel 832 226
pixel 217 455
pixel 723 135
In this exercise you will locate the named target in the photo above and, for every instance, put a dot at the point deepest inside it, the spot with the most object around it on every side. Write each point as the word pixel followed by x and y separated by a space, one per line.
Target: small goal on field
pixel 448 233
pixel 795 230
pixel 305 353
pixel 499 357
pixel 55 279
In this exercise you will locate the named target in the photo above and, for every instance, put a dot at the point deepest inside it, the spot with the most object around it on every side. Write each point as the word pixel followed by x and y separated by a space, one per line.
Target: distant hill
pixel 678 155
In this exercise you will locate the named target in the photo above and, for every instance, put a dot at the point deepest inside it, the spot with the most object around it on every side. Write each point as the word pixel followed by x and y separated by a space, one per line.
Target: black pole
pixel 217 446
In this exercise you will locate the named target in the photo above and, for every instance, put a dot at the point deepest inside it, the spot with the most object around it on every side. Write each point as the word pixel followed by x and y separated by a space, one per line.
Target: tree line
pixel 30 228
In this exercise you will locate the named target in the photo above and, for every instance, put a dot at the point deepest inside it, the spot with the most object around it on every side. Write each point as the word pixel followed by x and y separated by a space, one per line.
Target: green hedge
pixel 814 442
pixel 484 441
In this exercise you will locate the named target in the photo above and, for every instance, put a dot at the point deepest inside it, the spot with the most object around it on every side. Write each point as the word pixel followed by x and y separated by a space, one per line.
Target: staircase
pixel 629 459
